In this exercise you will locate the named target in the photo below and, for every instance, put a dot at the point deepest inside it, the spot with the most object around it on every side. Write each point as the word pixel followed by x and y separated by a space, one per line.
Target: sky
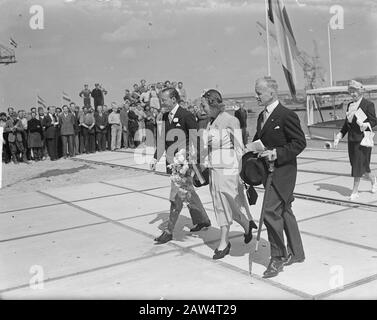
pixel 203 43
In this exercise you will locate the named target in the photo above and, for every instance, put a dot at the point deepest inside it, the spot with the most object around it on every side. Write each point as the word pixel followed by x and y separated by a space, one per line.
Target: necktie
pixel 265 117
pixel 171 115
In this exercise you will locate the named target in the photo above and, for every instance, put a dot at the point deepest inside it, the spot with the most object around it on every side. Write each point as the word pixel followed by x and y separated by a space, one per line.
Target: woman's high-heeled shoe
pixel 249 236
pixel 353 196
pixel 219 254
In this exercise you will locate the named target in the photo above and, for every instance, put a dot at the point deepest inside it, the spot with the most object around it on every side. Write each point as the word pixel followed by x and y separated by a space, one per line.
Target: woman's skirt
pixel 359 158
pixel 228 197
pixel 35 140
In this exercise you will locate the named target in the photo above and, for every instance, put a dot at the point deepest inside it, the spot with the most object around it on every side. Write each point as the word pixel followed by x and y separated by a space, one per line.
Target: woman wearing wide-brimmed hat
pixel 224 156
pixel 359 155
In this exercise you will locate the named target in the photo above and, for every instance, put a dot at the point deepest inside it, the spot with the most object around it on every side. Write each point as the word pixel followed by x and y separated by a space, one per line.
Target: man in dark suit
pixel 177 122
pixel 98 96
pixel 50 124
pixel 280 131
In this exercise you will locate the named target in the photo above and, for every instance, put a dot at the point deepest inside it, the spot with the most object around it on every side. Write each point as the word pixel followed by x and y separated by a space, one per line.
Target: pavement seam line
pixel 304 196
pixel 79 227
pixel 346 287
pixel 163 173
pixel 80 200
pixel 347 243
pixel 70 275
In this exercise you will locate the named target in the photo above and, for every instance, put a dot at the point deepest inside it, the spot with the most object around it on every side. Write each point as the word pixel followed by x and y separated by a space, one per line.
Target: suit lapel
pixel 177 115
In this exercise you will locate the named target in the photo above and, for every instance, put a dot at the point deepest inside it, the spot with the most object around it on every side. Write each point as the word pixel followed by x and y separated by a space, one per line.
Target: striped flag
pixel 41 101
pixel 278 16
pixel 13 43
pixel 66 97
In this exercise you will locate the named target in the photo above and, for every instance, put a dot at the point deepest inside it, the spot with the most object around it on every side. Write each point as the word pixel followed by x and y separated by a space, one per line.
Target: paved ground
pixel 96 240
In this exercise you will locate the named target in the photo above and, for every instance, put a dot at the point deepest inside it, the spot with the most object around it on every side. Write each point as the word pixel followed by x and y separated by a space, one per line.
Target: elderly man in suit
pixel 280 131
pixel 178 122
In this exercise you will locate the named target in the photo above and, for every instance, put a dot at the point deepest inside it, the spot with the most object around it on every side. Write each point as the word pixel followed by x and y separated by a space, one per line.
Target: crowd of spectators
pixel 62 132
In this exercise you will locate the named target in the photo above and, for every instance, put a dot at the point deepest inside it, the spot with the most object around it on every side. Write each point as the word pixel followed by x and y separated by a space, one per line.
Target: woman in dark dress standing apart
pixel 359 155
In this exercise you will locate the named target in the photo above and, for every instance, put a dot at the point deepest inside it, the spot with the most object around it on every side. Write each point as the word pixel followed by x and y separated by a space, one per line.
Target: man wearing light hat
pixel 360 117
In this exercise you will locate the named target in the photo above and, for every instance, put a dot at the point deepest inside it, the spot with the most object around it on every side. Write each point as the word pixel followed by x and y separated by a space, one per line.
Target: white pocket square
pixel 277 127
pixel 178 125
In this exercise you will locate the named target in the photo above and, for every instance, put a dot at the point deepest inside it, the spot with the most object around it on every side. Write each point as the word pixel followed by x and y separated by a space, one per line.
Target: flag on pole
pixel 278 16
pixel 41 101
pixel 13 43
pixel 66 97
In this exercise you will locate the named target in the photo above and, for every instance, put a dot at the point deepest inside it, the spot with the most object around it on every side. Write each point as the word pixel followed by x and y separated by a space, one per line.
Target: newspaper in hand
pixel 360 115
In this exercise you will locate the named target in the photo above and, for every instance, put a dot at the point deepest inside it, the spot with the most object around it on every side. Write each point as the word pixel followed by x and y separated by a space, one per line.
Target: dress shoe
pixel 276 265
pixel 249 236
pixel 291 259
pixel 164 237
pixel 353 196
pixel 200 226
pixel 219 254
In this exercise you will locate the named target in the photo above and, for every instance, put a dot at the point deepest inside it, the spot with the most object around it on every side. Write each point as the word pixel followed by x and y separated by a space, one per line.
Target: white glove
pixel 337 139
pixel 363 126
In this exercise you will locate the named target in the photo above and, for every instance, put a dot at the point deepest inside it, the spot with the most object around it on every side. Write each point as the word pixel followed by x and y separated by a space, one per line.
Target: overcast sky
pixel 204 43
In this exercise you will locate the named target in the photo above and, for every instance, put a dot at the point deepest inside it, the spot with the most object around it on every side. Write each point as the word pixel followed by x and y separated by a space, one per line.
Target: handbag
pixel 252 195
pixel 367 141
pixel 201 177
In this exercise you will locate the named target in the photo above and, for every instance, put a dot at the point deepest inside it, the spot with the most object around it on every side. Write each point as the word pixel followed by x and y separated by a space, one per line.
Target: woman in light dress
pixel 224 156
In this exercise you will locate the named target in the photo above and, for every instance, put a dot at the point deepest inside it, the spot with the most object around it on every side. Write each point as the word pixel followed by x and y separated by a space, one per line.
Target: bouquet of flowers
pixel 182 175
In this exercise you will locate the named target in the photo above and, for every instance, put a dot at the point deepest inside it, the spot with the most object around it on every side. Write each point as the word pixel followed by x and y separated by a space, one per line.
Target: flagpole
pixel 330 60
pixel 268 40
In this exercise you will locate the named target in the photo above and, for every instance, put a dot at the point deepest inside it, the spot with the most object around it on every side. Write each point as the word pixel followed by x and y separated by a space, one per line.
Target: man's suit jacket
pixel 282 131
pixel 101 120
pixel 16 135
pixel 176 133
pixel 50 129
pixel 353 129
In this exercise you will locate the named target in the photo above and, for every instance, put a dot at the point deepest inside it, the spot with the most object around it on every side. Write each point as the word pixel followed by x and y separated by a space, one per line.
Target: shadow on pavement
pixel 343 191
pixel 212 234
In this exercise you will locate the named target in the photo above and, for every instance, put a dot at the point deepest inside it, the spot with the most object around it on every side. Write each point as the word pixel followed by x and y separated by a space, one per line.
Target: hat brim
pixel 253 169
